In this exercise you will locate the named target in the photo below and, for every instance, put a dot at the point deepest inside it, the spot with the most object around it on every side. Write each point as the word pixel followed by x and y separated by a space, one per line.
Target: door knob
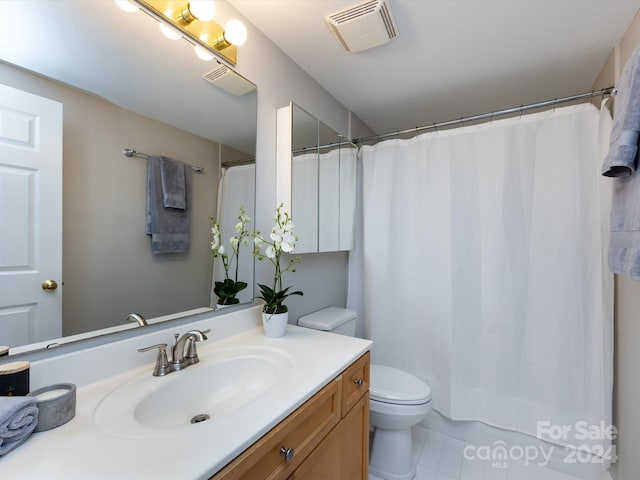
pixel 49 285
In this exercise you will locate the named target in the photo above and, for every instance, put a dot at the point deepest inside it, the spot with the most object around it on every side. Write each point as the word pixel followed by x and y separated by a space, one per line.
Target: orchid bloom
pixel 215 238
pixel 281 240
pixel 241 238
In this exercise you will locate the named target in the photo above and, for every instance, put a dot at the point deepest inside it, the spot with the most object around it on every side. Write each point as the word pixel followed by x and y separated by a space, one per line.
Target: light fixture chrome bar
pixel 130 152
pixel 547 103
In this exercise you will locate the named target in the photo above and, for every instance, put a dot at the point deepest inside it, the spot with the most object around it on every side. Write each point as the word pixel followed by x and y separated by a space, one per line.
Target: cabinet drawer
pixel 355 382
pixel 302 431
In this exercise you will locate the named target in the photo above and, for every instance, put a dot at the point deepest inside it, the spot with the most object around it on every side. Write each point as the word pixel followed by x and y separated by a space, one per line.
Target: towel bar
pixel 130 152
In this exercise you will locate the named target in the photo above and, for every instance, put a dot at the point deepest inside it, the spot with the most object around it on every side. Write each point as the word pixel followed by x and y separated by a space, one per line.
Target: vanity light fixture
pixel 203 53
pixel 203 10
pixel 190 20
pixel 234 33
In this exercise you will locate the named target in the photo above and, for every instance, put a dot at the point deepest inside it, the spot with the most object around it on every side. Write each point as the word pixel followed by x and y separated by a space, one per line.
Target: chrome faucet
pixel 188 341
pixel 136 317
pixel 179 359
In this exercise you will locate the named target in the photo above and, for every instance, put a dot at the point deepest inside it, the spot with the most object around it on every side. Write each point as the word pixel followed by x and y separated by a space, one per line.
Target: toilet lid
pixel 391 385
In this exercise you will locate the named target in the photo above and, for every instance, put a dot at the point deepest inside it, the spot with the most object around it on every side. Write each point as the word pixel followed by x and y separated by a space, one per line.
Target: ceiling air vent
pixel 229 81
pixel 364 26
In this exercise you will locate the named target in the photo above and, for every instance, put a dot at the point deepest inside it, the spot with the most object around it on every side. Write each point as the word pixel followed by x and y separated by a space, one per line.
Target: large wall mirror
pixel 317 180
pixel 123 85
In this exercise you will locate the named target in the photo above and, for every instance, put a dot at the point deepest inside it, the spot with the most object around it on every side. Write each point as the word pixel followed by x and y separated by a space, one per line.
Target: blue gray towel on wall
pixel 622 162
pixel 18 419
pixel 170 228
pixel 173 183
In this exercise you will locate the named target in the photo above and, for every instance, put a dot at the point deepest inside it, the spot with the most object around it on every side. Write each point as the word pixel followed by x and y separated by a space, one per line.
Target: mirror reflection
pixel 233 267
pixel 123 85
pixel 323 185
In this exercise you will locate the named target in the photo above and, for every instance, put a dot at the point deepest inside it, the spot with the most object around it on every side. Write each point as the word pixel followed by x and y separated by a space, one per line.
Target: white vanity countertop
pixel 80 449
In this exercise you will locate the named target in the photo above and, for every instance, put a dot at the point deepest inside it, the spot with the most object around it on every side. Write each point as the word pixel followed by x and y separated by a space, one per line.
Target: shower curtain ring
pixel 435 127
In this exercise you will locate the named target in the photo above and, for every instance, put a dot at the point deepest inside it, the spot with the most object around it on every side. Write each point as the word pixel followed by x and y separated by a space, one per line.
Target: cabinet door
pixel 355 382
pixel 344 453
pixel 301 432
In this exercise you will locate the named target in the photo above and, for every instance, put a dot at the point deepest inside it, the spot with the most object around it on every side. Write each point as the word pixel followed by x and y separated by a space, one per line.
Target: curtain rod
pixel 237 163
pixel 605 91
pixel 130 152
pixel 326 145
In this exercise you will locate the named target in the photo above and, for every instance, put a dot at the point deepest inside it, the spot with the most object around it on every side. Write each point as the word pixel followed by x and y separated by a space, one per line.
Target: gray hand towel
pixel 18 419
pixel 621 162
pixel 173 183
pixel 170 228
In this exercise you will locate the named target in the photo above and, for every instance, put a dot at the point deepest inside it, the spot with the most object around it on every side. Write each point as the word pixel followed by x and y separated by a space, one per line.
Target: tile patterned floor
pixel 439 457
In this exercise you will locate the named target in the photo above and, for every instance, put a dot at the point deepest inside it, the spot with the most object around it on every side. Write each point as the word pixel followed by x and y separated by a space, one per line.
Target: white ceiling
pixel 452 58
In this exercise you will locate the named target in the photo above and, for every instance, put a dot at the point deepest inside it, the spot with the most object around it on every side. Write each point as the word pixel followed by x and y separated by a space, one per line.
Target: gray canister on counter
pixel 56 405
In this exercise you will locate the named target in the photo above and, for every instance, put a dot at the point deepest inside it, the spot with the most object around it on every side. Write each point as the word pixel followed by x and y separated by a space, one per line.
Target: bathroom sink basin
pixel 223 382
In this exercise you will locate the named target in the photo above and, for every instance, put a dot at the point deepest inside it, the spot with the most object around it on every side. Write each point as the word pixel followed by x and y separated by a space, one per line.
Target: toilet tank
pixel 332 319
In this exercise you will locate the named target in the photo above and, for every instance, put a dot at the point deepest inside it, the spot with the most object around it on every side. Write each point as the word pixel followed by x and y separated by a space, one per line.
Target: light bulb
pixel 202 9
pixel 169 32
pixel 201 52
pixel 235 32
pixel 126 6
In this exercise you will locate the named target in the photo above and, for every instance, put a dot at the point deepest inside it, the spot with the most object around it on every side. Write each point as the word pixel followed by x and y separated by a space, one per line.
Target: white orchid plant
pixel 281 240
pixel 228 289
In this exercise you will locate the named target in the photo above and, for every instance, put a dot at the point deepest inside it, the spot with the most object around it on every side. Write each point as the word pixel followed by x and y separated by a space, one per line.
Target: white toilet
pixel 398 401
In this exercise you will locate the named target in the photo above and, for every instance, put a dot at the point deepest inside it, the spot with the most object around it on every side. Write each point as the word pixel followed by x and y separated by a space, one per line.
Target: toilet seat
pixel 395 386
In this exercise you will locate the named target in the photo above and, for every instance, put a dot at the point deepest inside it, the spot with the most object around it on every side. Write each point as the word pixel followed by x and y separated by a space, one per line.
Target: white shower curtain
pixel 483 269
pixel 236 189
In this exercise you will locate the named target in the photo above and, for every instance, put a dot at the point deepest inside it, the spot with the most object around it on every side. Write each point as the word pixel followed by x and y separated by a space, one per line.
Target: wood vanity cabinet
pixel 328 435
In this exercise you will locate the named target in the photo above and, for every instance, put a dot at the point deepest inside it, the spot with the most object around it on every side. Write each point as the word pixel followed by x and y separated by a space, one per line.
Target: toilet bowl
pixel 398 401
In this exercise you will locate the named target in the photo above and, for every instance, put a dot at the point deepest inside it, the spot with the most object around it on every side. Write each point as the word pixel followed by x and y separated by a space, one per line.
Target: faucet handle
pixel 162 363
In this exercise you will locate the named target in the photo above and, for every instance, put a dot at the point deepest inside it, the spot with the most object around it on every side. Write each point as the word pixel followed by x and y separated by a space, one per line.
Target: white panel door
pixel 30 217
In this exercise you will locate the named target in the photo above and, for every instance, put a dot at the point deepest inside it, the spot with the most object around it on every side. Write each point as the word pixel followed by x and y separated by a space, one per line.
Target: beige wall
pixel 108 268
pixel 626 390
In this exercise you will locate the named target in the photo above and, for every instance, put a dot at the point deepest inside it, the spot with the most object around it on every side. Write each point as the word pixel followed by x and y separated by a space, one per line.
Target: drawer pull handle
pixel 288 453
pixel 358 381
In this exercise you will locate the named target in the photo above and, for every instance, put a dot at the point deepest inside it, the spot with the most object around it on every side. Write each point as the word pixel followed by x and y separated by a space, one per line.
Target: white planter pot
pixel 275 324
